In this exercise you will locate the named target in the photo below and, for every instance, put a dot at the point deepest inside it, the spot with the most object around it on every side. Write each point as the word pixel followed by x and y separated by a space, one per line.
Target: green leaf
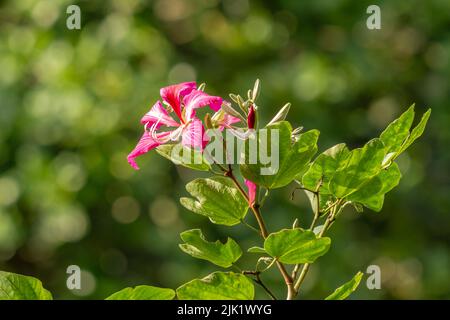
pixel 15 286
pixel 324 167
pixel 143 293
pixel 181 155
pixel 371 194
pixel 396 132
pixel 417 131
pixel 293 156
pixel 216 198
pixel 345 290
pixel 223 255
pixel 294 246
pixel 257 250
pixel 362 164
pixel 218 286
pixel 397 136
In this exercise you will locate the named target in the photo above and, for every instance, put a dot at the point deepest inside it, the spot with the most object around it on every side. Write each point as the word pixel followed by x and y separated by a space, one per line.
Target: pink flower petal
pixel 144 145
pixel 197 99
pixel 193 135
pixel 251 186
pixel 173 95
pixel 227 121
pixel 159 116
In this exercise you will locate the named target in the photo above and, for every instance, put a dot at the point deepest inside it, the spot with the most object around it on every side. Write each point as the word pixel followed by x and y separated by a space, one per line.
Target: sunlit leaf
pixel 371 194
pixel 221 254
pixel 15 286
pixel 396 132
pixel 218 286
pixel 362 164
pixel 143 293
pixel 417 131
pixel 216 198
pixel 345 290
pixel 397 136
pixel 291 157
pixel 294 246
pixel 181 155
pixel 324 166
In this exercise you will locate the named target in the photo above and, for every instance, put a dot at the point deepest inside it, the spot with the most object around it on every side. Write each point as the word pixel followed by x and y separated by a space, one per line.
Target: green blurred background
pixel 71 100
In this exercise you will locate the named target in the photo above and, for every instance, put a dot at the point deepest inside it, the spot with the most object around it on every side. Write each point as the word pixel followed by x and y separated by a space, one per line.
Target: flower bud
pixel 208 122
pixel 255 91
pixel 226 106
pixel 251 118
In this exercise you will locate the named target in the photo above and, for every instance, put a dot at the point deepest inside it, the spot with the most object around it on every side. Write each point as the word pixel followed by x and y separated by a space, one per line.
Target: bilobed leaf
pixel 15 286
pixel 324 166
pixel 143 293
pixel 223 255
pixel 181 155
pixel 218 286
pixel 371 194
pixel 396 132
pixel 397 136
pixel 216 198
pixel 292 246
pixel 345 290
pixel 362 164
pixel 290 158
pixel 417 131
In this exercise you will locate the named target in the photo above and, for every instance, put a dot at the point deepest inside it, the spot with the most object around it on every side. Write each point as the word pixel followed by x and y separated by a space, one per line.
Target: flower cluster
pixel 175 118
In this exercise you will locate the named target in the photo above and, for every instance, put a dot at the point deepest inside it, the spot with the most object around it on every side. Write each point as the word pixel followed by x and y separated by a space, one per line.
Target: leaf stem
pixel 311 228
pixel 259 281
pixel 245 223
pixel 264 233
pixel 328 222
pixel 263 198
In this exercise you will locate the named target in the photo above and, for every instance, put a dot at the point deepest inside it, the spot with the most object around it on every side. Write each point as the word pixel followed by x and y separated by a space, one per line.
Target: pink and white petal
pixel 158 115
pixel 173 95
pixel 251 187
pixel 227 121
pixel 197 99
pixel 194 134
pixel 145 144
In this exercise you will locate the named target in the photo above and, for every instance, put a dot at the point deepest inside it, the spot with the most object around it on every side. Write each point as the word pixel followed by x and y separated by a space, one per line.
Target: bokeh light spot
pixel 125 210
pixel 164 212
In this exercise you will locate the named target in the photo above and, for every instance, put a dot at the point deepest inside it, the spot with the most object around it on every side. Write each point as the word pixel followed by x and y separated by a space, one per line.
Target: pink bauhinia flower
pixel 182 99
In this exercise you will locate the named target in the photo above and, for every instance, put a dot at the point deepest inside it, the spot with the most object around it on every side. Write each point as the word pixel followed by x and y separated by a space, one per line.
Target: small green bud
pixel 201 87
pixel 208 122
pixel 255 92
pixel 231 111
pixel 281 115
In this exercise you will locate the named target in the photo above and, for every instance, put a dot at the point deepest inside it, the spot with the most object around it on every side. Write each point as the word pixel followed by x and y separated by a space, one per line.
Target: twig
pixel 328 222
pixel 245 223
pixel 264 233
pixel 311 228
pixel 259 281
